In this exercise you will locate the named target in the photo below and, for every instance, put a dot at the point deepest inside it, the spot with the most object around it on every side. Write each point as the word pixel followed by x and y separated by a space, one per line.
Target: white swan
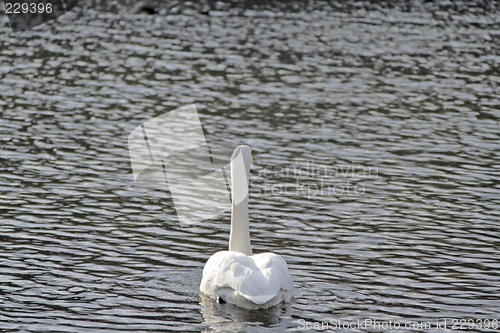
pixel 236 276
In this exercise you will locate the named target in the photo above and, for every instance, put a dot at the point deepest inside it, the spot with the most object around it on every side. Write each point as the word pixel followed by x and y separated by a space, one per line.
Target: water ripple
pixel 405 91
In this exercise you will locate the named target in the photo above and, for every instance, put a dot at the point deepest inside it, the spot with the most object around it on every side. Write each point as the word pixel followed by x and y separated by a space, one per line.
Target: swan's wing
pixel 258 278
pixel 225 269
pixel 273 277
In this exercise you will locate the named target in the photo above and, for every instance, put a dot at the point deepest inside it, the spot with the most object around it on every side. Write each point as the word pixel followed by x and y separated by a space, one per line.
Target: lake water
pixel 375 130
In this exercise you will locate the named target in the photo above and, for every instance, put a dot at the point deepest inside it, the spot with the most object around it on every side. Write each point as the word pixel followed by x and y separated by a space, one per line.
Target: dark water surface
pixel 398 103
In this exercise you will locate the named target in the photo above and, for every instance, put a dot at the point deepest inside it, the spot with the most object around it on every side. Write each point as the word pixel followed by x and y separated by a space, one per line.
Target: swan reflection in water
pixel 224 317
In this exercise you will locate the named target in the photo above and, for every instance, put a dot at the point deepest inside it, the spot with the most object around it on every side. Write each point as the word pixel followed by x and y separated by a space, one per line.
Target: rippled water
pixel 406 96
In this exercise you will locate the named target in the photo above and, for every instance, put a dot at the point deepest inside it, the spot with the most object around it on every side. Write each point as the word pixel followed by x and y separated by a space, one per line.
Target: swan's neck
pixel 239 239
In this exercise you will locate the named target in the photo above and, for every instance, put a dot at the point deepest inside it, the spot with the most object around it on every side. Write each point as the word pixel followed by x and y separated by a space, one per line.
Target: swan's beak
pixel 253 160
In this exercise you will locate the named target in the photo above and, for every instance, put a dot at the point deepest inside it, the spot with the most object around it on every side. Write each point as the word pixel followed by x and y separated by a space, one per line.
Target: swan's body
pixel 236 276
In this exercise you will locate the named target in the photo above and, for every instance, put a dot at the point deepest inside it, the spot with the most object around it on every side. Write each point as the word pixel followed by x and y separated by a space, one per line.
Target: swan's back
pixel 258 281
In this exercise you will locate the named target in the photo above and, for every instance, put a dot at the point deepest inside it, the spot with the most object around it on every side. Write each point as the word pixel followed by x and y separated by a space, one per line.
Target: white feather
pixel 258 281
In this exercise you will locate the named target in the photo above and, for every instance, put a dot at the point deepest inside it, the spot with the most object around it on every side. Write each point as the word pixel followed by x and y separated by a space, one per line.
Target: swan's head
pixel 245 153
